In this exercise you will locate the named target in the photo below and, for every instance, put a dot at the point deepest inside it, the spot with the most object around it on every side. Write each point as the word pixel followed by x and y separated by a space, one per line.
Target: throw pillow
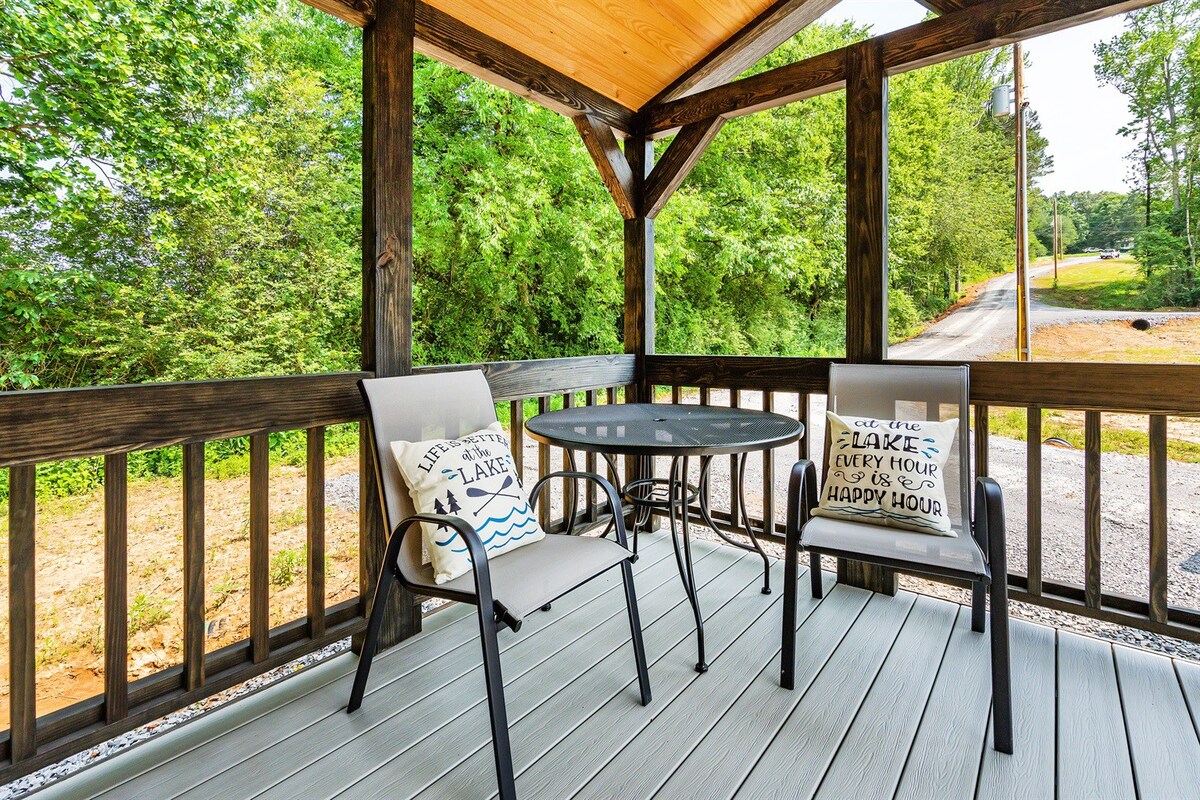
pixel 473 478
pixel 888 472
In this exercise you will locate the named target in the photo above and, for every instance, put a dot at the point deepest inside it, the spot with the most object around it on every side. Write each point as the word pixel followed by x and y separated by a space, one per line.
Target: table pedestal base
pixel 677 498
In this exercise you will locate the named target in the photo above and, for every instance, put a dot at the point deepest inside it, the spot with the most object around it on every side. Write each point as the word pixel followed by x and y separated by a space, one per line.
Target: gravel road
pixel 988 324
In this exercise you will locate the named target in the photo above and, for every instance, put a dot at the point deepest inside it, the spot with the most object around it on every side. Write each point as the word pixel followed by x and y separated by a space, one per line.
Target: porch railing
pixel 55 425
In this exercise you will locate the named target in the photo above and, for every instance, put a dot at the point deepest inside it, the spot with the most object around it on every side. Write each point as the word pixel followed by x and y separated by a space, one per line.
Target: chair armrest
pixel 475 549
pixel 612 499
pixel 801 499
pixel 989 525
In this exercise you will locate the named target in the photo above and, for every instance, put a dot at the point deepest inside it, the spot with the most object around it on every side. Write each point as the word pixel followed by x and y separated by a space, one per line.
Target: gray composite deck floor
pixel 892 700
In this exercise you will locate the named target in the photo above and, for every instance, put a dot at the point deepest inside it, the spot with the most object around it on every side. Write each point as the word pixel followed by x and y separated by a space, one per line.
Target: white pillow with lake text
pixel 888 472
pixel 473 478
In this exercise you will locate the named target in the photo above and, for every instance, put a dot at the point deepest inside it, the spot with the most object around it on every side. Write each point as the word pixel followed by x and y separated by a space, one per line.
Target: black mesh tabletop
pixel 648 429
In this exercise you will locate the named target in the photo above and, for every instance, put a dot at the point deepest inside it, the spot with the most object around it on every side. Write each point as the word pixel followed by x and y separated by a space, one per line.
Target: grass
pixel 1010 424
pixel 1113 284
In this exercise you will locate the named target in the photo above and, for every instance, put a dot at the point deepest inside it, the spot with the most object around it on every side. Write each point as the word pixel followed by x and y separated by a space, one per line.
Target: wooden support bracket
pixel 614 168
pixel 677 162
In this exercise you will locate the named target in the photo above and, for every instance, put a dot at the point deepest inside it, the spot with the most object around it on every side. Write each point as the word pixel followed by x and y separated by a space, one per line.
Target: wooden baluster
pixel 802 447
pixel 704 395
pixel 22 612
pixel 570 488
pixel 116 588
pixel 193 566
pixel 1033 495
pixel 546 501
pixel 260 548
pixel 1158 518
pixel 676 394
pixel 610 395
pixel 735 400
pixel 590 466
pixel 516 435
pixel 981 440
pixel 315 507
pixel 1091 471
pixel 768 404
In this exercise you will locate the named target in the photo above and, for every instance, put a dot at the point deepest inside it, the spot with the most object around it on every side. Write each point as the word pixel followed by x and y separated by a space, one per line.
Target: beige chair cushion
pixel 529 577
pixel 958 554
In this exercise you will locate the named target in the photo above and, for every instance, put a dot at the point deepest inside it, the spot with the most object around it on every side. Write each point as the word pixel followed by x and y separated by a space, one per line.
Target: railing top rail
pixel 58 424
pixel 1125 388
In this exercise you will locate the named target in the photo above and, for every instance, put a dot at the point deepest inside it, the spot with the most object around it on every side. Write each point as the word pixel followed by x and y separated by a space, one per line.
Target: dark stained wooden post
pixel 639 263
pixel 387 265
pixel 639 281
pixel 866 240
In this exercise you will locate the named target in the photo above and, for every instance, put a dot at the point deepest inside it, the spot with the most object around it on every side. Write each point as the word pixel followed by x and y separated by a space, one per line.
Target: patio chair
pixel 505 587
pixel 976 554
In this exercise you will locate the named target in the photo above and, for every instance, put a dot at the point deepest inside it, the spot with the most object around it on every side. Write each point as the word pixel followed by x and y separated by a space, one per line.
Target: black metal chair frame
pixel 988 530
pixel 492 614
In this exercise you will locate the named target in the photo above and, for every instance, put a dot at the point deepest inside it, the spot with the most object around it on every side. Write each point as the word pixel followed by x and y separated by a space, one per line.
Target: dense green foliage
pixel 1155 63
pixel 1095 220
pixel 182 200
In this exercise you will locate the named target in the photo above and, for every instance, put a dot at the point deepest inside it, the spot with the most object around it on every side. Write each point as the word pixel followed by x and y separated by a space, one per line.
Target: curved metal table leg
pixel 683 558
pixel 745 521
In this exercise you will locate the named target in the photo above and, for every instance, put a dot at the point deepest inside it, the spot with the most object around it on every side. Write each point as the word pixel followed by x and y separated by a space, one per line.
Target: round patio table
pixel 679 432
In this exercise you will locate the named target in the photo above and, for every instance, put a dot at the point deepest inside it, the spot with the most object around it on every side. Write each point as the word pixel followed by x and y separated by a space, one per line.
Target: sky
pixel 1080 118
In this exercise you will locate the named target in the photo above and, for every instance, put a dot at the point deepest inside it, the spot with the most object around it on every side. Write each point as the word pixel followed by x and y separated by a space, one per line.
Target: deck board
pixel 800 753
pixel 892 709
pixel 1162 740
pixel 892 698
pixel 1093 752
pixel 949 743
pixel 1028 774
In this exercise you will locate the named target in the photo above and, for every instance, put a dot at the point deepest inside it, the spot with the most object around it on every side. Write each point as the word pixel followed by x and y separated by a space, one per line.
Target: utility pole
pixel 1023 326
pixel 1057 234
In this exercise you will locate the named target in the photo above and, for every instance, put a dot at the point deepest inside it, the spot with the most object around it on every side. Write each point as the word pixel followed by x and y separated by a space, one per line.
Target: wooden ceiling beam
pixel 961 33
pixel 453 42
pixel 677 162
pixel 605 150
pixel 780 22
pixel 804 79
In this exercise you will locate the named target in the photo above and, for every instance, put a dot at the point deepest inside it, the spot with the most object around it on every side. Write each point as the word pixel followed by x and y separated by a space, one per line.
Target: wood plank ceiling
pixel 627 50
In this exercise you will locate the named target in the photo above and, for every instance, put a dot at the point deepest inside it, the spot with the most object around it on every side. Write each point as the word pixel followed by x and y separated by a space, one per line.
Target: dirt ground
pixel 70 583
pixel 1172 342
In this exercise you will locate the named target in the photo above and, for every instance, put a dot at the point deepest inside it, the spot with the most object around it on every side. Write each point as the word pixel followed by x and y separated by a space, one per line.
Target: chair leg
pixel 1002 725
pixel 371 640
pixel 787 658
pixel 499 713
pixel 635 631
pixel 978 605
pixel 814 575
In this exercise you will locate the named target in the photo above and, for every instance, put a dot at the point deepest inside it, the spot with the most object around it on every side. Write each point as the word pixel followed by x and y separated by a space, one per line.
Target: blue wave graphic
pixel 526 523
pixel 498 545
